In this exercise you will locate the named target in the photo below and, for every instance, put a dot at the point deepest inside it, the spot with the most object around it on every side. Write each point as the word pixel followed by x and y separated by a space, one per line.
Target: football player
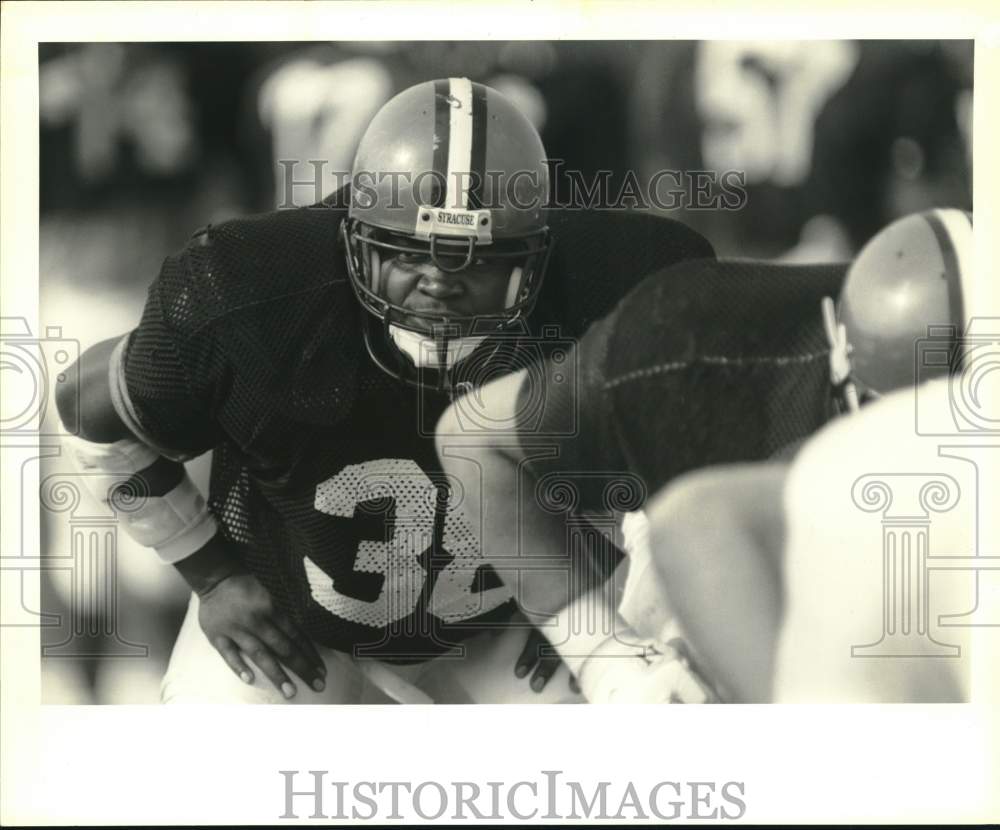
pixel 701 363
pixel 307 349
pixel 705 363
pixel 782 541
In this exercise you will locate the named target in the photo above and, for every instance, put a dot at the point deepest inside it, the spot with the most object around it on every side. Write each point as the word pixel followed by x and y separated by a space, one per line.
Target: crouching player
pixel 815 609
pixel 706 364
pixel 306 348
pixel 702 363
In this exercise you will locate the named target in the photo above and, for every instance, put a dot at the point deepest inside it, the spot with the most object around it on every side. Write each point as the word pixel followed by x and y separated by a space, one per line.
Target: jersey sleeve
pixel 571 414
pixel 165 373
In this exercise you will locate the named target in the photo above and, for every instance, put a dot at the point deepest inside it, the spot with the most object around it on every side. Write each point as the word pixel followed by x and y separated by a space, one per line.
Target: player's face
pixel 414 282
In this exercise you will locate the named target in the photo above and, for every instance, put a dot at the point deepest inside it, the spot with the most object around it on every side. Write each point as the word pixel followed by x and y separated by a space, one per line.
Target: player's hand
pixel 241 620
pixel 544 667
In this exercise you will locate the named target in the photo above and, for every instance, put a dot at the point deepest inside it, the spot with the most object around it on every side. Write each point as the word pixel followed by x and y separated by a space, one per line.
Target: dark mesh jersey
pixel 704 363
pixel 324 473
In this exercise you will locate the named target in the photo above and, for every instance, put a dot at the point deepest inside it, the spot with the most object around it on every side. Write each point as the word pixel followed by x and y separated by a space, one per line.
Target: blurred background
pixel 141 144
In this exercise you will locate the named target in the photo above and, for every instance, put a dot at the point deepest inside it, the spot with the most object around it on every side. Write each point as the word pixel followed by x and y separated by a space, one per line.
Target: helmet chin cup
pixel 388 357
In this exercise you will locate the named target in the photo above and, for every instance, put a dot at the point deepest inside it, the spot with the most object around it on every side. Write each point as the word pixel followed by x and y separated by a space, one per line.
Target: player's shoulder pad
pixel 282 250
pixel 735 306
pixel 279 257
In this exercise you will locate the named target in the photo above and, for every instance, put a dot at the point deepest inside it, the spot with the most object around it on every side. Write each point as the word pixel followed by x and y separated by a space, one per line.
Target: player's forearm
pixel 525 544
pixel 156 502
pixel 530 547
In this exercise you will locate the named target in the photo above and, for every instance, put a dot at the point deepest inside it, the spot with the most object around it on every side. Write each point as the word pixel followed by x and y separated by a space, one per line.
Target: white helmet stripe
pixel 459 144
pixel 958 227
pixel 954 231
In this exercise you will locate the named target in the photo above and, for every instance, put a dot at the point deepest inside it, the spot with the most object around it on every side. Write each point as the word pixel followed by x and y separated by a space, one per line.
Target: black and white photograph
pixel 463 368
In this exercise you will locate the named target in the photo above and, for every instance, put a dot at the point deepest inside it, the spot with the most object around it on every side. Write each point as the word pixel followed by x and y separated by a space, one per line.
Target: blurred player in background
pixel 705 363
pixel 834 139
pixel 307 109
pixel 306 348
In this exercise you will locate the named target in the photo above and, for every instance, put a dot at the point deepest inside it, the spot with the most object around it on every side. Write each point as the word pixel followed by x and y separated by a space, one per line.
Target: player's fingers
pixel 265 660
pixel 231 655
pixel 304 644
pixel 290 655
pixel 547 666
pixel 274 639
pixel 530 653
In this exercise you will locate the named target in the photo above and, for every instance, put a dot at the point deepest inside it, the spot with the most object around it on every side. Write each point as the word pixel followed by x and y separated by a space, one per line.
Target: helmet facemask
pixel 421 347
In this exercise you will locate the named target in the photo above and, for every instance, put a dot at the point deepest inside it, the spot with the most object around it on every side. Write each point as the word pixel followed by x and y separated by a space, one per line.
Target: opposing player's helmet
pixel 453 171
pixel 910 281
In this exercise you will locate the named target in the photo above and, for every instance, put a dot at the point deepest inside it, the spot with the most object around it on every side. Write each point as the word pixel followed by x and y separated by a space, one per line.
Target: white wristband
pixel 175 524
pixel 188 541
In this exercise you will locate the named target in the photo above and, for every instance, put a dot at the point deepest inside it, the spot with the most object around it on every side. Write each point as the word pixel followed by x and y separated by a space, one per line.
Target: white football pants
pixel 484 674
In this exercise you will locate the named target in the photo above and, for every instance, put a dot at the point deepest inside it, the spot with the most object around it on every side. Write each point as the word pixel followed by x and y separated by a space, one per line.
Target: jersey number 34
pixel 421 510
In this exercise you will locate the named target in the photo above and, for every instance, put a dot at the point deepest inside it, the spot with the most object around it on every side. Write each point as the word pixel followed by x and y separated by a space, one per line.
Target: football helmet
pixel 450 171
pixel 912 279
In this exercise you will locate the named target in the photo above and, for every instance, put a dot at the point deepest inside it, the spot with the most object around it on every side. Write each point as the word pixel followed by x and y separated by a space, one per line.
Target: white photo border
pixel 213 765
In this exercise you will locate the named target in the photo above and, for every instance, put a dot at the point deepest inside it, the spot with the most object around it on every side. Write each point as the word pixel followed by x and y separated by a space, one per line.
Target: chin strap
pixel 428 353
